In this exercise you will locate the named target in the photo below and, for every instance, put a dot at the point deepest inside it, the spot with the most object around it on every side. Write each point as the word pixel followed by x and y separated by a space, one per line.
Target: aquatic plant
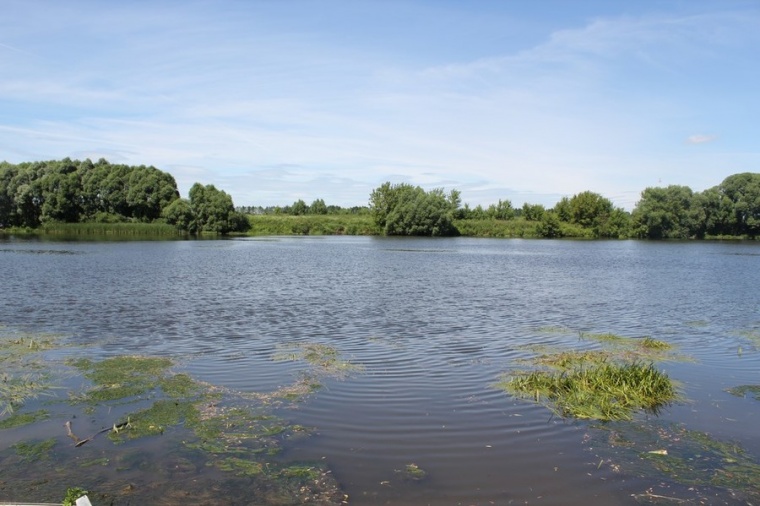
pixel 121 377
pixel 606 391
pixel 23 374
pixel 34 450
pixel 72 494
pixel 744 390
pixel 20 419
pixel 655 344
pixel 668 452
pixel 231 431
pixel 324 359
pixel 412 472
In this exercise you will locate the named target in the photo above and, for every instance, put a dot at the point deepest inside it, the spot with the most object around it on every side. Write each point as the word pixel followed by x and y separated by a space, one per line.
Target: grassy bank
pixel 99 229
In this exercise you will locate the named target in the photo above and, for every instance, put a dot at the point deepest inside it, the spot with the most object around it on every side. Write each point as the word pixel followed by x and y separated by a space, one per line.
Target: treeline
pixel 730 209
pixel 72 191
pixel 301 208
pixel 36 194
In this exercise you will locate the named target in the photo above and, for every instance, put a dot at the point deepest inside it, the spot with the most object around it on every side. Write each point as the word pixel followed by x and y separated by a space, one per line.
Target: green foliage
pixel 63 192
pixel 318 207
pixel 413 472
pixel 71 191
pixel 102 229
pixel 35 450
pixel 533 212
pixel 501 211
pixel 21 419
pixel 517 227
pixel 23 375
pixel 602 384
pixel 330 224
pixel 180 214
pixel 121 377
pixel 608 391
pixel 664 213
pixel 213 212
pixel 72 494
pixel 404 209
pixel 744 390
pixel 549 226
pixel 739 207
pixel 591 212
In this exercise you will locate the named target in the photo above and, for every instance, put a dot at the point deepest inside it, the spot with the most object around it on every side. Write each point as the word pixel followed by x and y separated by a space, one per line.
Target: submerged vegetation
pixel 607 384
pixel 699 464
pixel 141 397
pixel 23 375
pixel 744 390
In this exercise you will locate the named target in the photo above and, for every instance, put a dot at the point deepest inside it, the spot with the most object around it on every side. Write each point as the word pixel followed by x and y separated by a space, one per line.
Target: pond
pixel 429 326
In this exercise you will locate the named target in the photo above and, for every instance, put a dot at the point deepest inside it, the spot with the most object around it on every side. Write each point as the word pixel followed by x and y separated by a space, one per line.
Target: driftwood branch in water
pixel 79 442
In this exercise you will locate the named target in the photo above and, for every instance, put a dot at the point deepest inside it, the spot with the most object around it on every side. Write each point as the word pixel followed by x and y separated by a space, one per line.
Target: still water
pixel 433 323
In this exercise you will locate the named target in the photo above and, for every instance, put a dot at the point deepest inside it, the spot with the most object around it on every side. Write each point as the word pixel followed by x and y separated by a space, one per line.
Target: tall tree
pixel 404 209
pixel 663 213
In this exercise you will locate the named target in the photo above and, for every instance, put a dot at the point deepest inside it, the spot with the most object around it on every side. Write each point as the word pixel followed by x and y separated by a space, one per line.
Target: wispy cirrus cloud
pixel 238 92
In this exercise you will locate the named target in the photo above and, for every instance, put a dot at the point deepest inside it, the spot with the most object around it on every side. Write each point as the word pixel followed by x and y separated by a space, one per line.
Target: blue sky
pixel 274 101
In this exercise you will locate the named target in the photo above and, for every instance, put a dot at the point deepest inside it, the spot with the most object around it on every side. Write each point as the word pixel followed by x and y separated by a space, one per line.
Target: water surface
pixel 433 323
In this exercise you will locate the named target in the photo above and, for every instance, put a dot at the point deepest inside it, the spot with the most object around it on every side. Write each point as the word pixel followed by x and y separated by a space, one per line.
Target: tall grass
pixel 109 229
pixel 339 224
pixel 517 227
pixel 603 391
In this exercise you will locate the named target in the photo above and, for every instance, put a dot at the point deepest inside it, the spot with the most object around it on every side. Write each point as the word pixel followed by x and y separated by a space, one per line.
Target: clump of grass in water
pixel 743 390
pixel 122 377
pixel 323 358
pixel 604 337
pixel 413 472
pixel 606 391
pixel 34 451
pixel 655 344
pixel 20 419
pixel 24 376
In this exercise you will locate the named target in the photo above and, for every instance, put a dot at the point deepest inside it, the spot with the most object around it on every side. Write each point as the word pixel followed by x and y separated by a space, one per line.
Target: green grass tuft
pixel 606 391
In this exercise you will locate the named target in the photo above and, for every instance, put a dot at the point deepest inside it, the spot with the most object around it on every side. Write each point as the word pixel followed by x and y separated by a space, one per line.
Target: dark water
pixel 433 323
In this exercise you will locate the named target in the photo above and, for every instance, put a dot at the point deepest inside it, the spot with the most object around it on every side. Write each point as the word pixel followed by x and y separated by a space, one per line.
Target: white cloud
pixel 270 114
pixel 700 139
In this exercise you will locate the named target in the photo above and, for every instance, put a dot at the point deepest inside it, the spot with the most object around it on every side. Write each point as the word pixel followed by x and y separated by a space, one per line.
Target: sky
pixel 278 100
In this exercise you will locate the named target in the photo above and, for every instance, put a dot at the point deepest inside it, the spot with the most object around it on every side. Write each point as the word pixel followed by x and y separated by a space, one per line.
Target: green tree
pixel 549 226
pixel 213 211
pixel 501 211
pixel 61 190
pixel 563 210
pixel 148 192
pixel 588 209
pixel 318 207
pixel 404 209
pixel 180 214
pixel 533 212
pixel 664 213
pixel 299 208
pixel 743 191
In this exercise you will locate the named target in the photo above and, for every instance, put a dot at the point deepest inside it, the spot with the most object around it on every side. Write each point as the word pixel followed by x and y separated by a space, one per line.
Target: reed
pixel 110 229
